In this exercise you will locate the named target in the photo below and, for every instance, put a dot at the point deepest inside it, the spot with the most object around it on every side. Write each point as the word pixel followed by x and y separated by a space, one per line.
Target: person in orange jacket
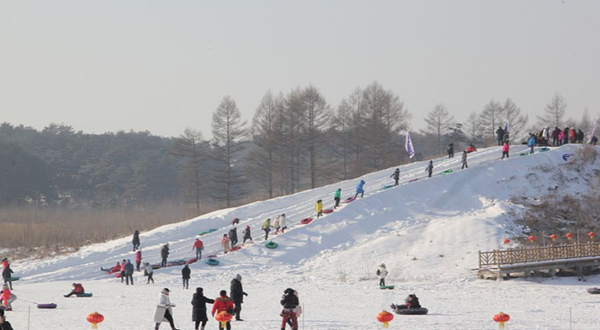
pixel 223 304
pixel 198 246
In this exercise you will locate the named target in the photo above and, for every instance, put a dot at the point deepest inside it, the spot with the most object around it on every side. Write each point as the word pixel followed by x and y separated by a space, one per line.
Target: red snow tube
pixel 327 211
pixel 306 221
pixel 191 261
pixel 349 199
pixel 118 275
pixel 235 248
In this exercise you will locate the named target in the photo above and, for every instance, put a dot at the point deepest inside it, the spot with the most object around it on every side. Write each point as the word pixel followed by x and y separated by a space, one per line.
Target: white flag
pixel 409 146
pixel 593 131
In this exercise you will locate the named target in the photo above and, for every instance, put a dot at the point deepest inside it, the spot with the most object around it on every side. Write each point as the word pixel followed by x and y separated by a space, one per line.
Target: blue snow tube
pixel 212 262
pixel 84 295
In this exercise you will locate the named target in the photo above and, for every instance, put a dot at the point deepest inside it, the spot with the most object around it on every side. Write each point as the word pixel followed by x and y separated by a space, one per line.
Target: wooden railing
pixel 545 253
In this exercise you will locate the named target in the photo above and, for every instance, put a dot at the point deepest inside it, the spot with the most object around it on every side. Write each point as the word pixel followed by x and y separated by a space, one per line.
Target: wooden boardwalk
pixel 547 259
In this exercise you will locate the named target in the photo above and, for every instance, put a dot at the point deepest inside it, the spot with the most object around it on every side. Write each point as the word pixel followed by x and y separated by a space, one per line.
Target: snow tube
pixel 524 154
pixel 306 221
pixel 389 287
pixel 46 306
pixel 207 231
pixel 156 266
pixel 178 262
pixel 593 290
pixel 388 186
pixel 446 172
pixel 84 295
pixel 349 199
pixel 271 245
pixel 412 311
pixel 15 278
pixel 235 248
pixel 328 211
pixel 543 149
pixel 413 180
pixel 118 275
pixel 212 262
pixel 191 261
pixel 565 157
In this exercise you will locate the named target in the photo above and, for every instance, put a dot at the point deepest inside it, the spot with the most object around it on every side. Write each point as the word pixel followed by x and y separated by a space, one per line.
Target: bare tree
pixel 439 121
pixel 291 128
pixel 192 149
pixel 554 112
pixel 511 113
pixel 228 134
pixel 265 134
pixel 490 117
pixel 472 127
pixel 316 118
pixel 586 122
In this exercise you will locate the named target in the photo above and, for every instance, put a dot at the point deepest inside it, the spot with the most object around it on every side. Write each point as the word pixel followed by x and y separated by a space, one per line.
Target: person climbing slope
pixel 275 224
pixel 164 254
pixel 464 160
pixel 337 196
pixel 138 259
pixel 396 176
pixel 382 273
pixel 429 168
pixel 136 240
pixel 225 243
pixel 7 273
pixel 185 275
pixel 247 235
pixel 451 150
pixel 199 302
pixel 505 150
pixel 283 222
pixel 360 189
pixel 198 247
pixel 266 226
pixel 149 272
pixel 233 236
pixel 319 208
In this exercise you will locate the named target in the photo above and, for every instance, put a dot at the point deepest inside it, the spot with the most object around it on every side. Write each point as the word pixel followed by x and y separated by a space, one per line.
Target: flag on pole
pixel 593 131
pixel 506 127
pixel 409 146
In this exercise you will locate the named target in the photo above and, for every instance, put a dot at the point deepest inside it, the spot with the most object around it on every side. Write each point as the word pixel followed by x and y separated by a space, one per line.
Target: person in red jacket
pixel 572 135
pixel 198 246
pixel 123 263
pixel 138 259
pixel 505 150
pixel 77 289
pixel 116 268
pixel 223 304
pixel 7 297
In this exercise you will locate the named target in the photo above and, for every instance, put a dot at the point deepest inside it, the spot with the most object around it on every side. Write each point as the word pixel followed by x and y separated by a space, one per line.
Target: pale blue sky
pixel 165 65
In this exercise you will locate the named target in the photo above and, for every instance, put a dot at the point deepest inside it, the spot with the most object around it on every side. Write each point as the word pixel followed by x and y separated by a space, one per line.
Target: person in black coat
pixel 451 150
pixel 396 176
pixel 233 236
pixel 500 135
pixel 164 254
pixel 136 240
pixel 199 302
pixel 7 275
pixel 429 168
pixel 4 324
pixel 290 303
pixel 236 292
pixel 185 274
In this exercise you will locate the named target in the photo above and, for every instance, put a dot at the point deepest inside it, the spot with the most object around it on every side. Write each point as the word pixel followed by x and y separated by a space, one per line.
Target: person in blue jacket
pixel 359 189
pixel 531 143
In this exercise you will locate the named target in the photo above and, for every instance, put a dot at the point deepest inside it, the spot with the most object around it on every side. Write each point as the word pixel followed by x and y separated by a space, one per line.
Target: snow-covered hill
pixel 427 232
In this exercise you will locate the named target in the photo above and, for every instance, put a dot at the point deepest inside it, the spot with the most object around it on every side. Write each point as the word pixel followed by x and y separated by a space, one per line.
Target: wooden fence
pixel 498 258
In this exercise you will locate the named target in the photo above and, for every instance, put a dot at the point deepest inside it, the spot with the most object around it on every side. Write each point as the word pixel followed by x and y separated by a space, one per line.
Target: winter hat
pixel 165 291
pixel 289 291
pixel 128 261
pixel 223 293
pixel 199 290
pixel 382 265
pixel 238 277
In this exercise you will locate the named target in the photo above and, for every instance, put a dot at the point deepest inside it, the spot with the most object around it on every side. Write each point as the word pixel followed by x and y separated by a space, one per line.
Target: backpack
pixel 378 272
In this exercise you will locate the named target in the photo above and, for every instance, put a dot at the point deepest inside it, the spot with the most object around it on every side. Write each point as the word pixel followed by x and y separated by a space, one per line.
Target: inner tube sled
pixel 327 211
pixel 593 290
pixel 84 295
pixel 212 262
pixel 46 306
pixel 411 311
pixel 271 245
pixel 306 221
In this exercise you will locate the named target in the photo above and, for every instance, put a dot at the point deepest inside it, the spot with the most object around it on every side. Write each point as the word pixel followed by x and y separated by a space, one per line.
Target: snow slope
pixel 427 232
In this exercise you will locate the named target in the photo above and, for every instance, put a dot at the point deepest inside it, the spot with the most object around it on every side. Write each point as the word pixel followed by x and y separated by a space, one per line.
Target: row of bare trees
pixel 298 140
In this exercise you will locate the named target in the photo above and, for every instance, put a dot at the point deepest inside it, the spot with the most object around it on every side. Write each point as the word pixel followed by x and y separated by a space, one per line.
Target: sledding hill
pixel 429 228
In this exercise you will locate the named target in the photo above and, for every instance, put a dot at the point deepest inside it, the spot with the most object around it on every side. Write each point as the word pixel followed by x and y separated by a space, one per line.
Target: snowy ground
pixel 427 232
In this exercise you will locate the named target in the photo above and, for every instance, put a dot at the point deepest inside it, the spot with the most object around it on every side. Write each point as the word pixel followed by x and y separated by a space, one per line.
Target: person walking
pixel 290 303
pixel 396 176
pixel 138 259
pixel 500 135
pixel 283 222
pixel 223 304
pixel 319 208
pixel 233 236
pixel 382 273
pixel 136 240
pixel 164 310
pixel 505 150
pixel 266 226
pixel 164 254
pixel 531 143
pixel 236 292
pixel 149 272
pixel 464 160
pixel 276 224
pixel 360 189
pixel 199 302
pixel 451 150
pixel 247 235
pixel 337 196
pixel 7 273
pixel 185 275
pixel 225 243
pixel 198 247
pixel 129 272
pixel 429 168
